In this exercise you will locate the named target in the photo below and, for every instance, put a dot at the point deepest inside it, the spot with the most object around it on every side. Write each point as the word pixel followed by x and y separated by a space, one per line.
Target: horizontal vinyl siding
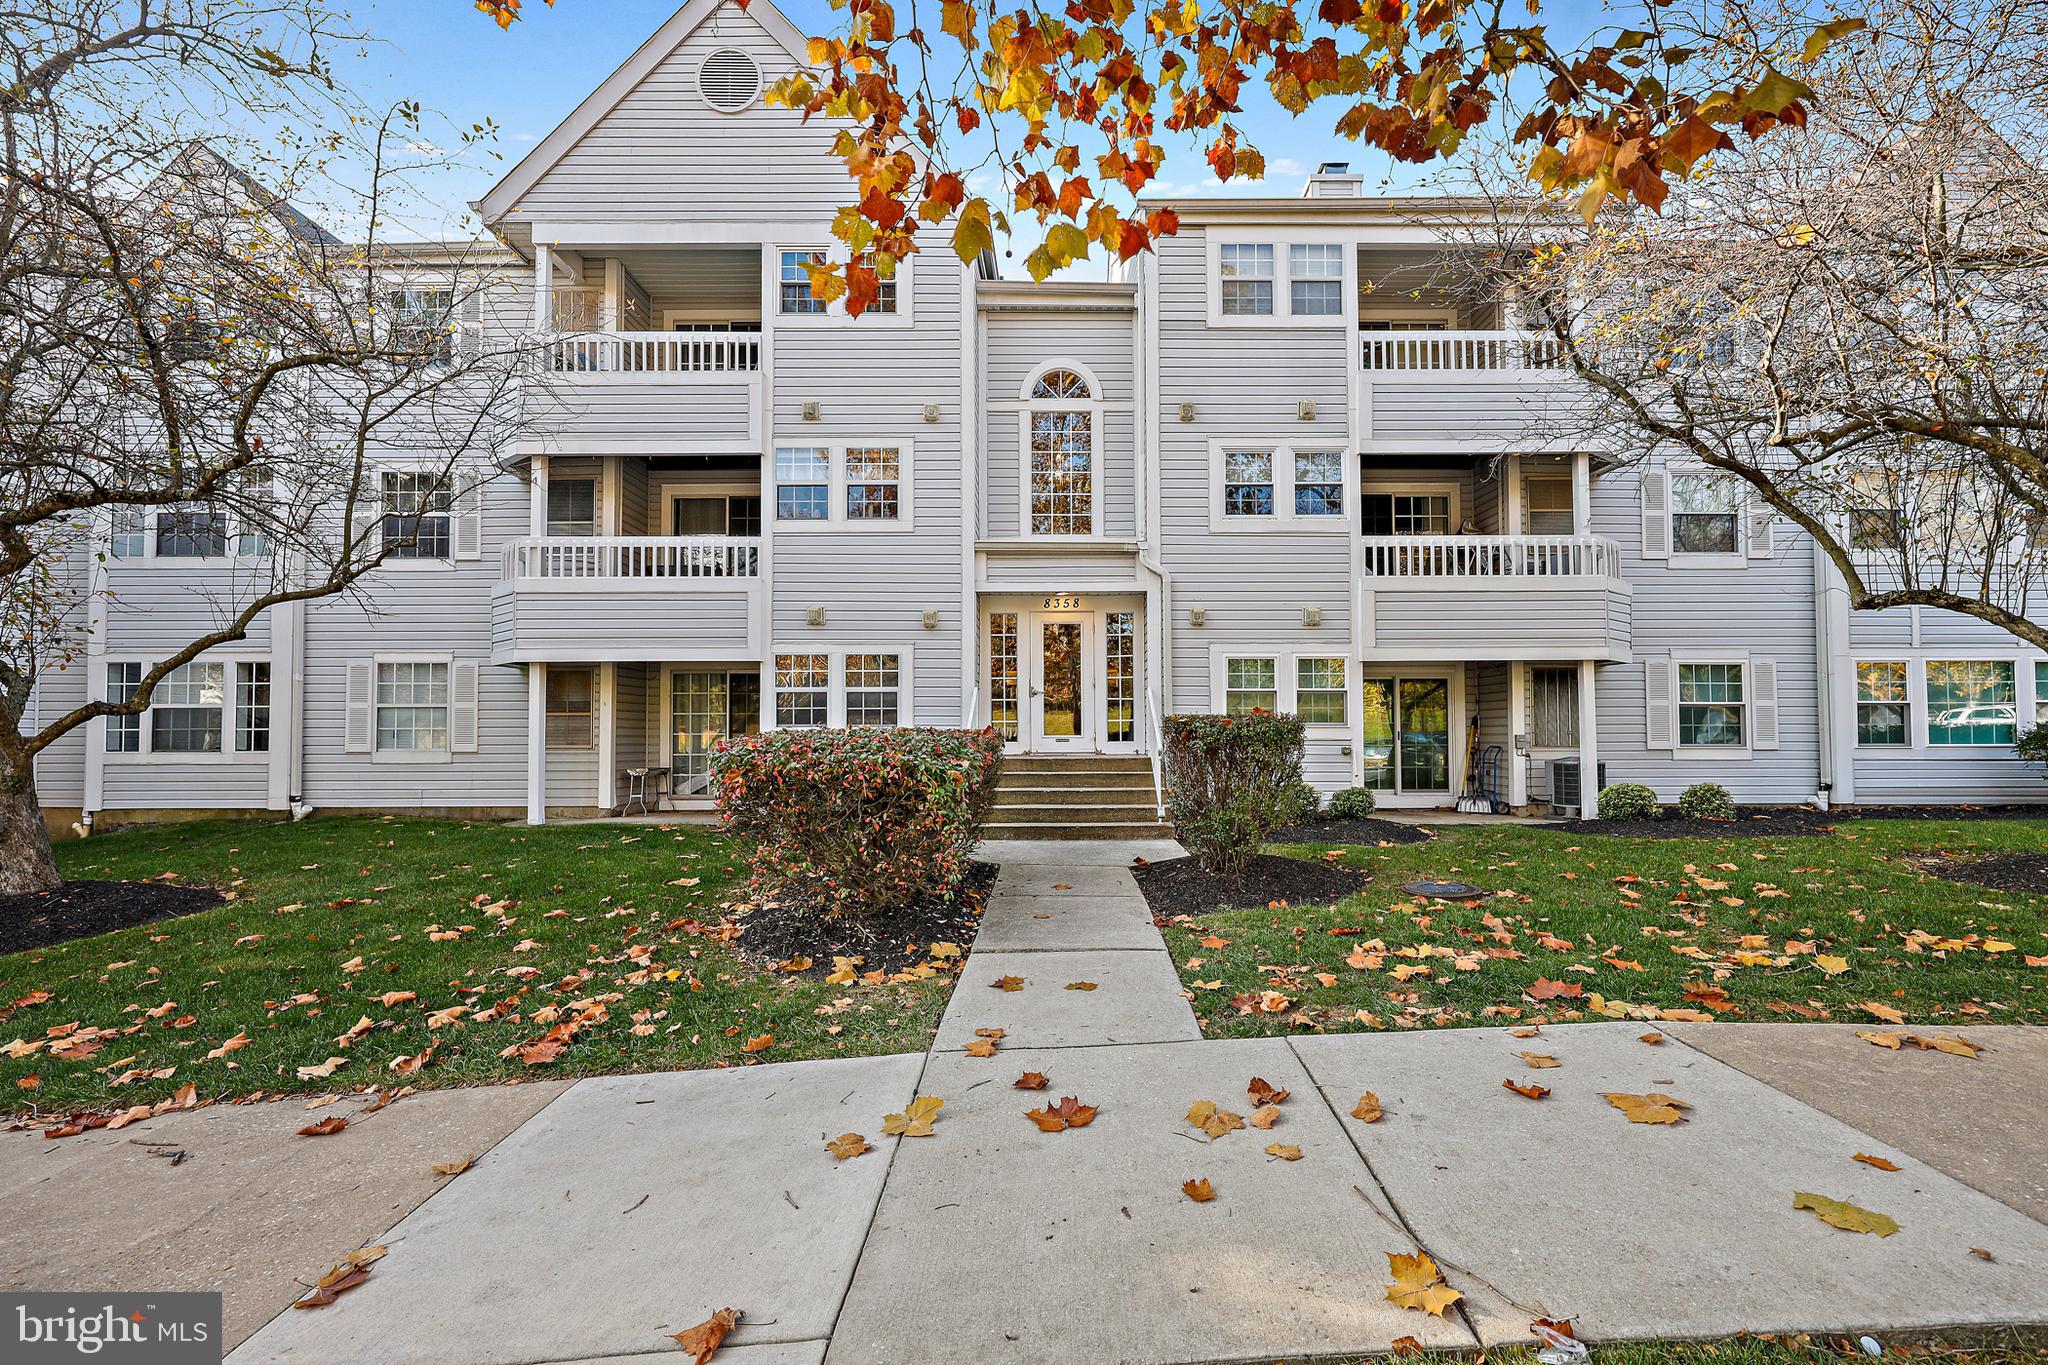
pixel 241 783
pixel 1491 414
pixel 156 610
pixel 1763 610
pixel 1244 384
pixel 872 384
pixel 1565 623
pixel 431 610
pixel 651 623
pixel 662 154
pixel 60 769
pixel 588 416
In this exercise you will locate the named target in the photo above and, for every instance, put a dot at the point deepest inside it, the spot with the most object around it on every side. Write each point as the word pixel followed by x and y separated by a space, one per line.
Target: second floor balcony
pixel 593 599
pixel 1464 390
pixel 1492 597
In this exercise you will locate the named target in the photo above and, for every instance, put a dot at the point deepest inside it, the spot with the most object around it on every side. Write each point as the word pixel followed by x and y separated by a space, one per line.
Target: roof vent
pixel 1333 168
pixel 729 80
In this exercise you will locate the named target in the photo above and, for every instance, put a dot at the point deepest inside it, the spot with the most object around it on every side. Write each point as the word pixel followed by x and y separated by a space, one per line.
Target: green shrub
pixel 1354 803
pixel 2032 745
pixel 1706 801
pixel 1304 803
pixel 1230 782
pixel 859 819
pixel 1629 801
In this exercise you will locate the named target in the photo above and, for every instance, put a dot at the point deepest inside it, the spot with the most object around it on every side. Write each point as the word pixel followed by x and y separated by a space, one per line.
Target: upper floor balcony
pixel 592 599
pixel 1492 597
pixel 1442 389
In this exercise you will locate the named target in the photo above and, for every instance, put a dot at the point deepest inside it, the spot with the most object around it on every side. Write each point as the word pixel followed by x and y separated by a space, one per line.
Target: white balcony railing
pixel 1427 557
pixel 1501 350
pixel 642 557
pixel 653 353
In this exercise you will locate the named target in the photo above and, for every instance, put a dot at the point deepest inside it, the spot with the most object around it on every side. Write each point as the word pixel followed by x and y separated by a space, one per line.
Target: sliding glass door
pixel 1407 734
pixel 706 706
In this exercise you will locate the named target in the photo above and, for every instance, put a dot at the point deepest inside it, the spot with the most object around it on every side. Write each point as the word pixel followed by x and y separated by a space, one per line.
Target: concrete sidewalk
pixel 628 1208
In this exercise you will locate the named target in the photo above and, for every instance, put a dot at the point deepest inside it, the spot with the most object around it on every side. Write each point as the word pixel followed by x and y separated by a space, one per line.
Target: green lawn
pixel 1738 928
pixel 527 929
pixel 1783 1350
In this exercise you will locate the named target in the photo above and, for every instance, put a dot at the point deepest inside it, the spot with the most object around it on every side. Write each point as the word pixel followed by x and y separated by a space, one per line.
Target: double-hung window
pixel 1318 483
pixel 1971 701
pixel 572 507
pixel 257 493
pixel 1320 697
pixel 1250 685
pixel 572 706
pixel 873 479
pixel 1315 279
pixel 1711 705
pixel 796 296
pixel 1247 270
pixel 1406 514
pixel 252 707
pixel 185 710
pixel 2041 692
pixel 1704 512
pixel 803 691
pixel 412 707
pixel 863 483
pixel 196 531
pixel 873 689
pixel 1547 506
pixel 417 516
pixel 422 324
pixel 1247 483
pixel 124 733
pixel 1883 711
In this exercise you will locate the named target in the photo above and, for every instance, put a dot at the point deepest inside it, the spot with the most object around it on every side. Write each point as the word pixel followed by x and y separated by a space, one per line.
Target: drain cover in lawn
pixel 1445 891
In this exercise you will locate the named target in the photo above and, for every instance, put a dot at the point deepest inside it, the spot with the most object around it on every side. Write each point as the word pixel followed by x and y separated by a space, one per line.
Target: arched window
pixel 1060 451
pixel 1060 384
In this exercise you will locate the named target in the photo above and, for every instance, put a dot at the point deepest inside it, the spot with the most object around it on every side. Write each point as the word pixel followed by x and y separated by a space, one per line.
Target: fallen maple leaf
pixel 390 998
pixel 915 1120
pixel 1981 1254
pixel 353 1269
pixel 700 1341
pixel 1068 1113
pixel 234 1044
pixel 1528 1089
pixel 1652 1038
pixel 1405 1346
pixel 1215 1122
pixel 1368 1109
pixel 1201 1191
pixel 1540 1061
pixel 454 1167
pixel 1418 1284
pixel 1008 983
pixel 1831 964
pixel 1080 985
pixel 1650 1108
pixel 128 1116
pixel 1263 1092
pixel 1890 1040
pixel 848 1145
pixel 322 1071
pixel 982 1047
pixel 1884 1012
pixel 760 1044
pixel 1265 1116
pixel 1848 1217
pixel 326 1127
pixel 1284 1151
pixel 1877 1161
pixel 1031 1080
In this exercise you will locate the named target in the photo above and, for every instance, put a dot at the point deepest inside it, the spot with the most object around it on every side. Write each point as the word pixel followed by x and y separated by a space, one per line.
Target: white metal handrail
pixel 1491 557
pixel 653 352
pixel 572 557
pixel 1474 350
pixel 1151 705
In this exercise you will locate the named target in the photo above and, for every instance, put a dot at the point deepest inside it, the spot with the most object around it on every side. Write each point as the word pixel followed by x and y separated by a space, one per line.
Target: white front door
pixel 1062 704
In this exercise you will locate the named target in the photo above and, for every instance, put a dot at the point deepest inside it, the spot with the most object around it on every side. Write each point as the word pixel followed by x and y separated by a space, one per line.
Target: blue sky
pixel 455 61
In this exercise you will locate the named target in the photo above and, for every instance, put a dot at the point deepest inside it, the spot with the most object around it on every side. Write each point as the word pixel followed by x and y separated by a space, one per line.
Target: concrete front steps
pixel 1077 796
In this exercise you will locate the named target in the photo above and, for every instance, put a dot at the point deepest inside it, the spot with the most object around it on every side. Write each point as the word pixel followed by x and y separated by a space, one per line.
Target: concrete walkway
pixel 629 1208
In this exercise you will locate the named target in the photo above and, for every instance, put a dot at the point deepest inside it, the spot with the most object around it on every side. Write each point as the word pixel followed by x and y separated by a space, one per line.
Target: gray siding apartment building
pixel 1267 468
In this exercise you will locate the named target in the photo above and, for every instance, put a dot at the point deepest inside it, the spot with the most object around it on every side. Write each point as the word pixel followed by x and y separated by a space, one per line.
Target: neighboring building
pixel 1286 463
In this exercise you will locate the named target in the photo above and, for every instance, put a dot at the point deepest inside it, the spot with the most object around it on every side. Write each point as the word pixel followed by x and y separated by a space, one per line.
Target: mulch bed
pixel 1178 886
pixel 1758 822
pixel 2034 812
pixel 781 930
pixel 1333 829
pixel 82 909
pixel 2013 872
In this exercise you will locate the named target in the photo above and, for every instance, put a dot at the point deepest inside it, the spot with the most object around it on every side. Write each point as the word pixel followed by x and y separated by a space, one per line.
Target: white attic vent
pixel 729 80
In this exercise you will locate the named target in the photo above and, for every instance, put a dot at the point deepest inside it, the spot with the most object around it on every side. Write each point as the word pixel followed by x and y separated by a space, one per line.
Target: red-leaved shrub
pixel 858 819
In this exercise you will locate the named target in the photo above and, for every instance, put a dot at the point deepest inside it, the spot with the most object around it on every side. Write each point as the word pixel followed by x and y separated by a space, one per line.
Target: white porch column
pixel 607 734
pixel 536 744
pixel 1582 494
pixel 537 510
pixel 1589 743
pixel 543 287
pixel 1518 730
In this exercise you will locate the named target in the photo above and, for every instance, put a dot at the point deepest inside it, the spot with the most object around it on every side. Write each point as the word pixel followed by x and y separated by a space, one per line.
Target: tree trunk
pixel 26 863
